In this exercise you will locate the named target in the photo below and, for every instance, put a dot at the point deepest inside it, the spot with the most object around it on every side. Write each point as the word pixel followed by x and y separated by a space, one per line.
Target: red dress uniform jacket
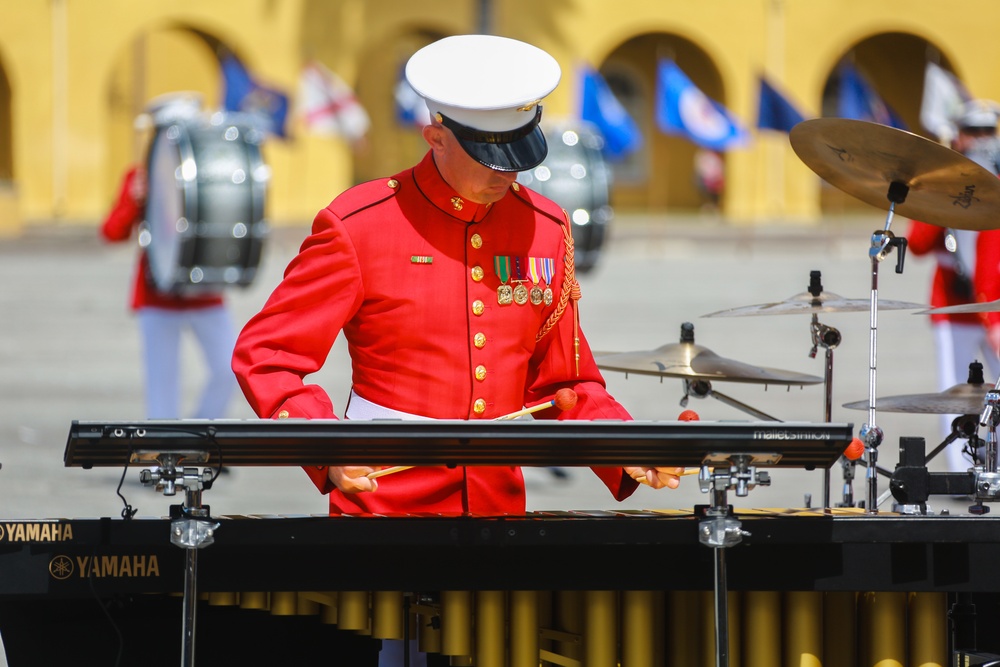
pixel 117 227
pixel 988 271
pixel 406 269
pixel 924 239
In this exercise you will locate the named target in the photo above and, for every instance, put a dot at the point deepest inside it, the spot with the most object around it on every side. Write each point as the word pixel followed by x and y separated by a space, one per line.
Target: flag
pixel 328 105
pixel 774 111
pixel 268 105
pixel 858 100
pixel 600 107
pixel 682 109
pixel 943 98
pixel 411 110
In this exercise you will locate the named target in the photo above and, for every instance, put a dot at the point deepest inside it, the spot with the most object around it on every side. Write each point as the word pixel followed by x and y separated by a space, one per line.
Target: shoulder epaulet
pixel 363 196
pixel 539 203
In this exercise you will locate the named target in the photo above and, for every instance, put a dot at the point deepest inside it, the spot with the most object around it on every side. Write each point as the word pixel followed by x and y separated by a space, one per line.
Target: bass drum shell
pixel 205 226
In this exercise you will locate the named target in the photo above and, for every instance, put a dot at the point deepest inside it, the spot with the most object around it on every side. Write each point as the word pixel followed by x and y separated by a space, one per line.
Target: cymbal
pixel 962 399
pixel 978 307
pixel 691 361
pixel 826 302
pixel 863 159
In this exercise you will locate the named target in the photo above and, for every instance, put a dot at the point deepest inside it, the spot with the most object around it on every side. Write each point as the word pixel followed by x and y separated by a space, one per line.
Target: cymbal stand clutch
pixel 703 389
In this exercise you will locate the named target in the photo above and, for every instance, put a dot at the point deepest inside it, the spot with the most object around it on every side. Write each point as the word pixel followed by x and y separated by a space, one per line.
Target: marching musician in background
pixel 454 287
pixel 164 317
pixel 967 271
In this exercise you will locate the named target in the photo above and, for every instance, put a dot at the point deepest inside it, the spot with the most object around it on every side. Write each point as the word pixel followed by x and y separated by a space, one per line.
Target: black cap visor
pixel 513 150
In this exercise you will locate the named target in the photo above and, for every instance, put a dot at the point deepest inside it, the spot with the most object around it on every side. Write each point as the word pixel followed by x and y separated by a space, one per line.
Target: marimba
pixel 568 588
pixel 853 583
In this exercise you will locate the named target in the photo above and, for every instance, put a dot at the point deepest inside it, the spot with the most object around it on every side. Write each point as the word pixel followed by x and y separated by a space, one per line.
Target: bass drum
pixel 205 225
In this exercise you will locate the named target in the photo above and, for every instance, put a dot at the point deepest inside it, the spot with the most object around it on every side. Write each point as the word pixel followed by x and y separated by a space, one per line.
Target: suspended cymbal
pixel 826 302
pixel 984 307
pixel 962 399
pixel 863 159
pixel 691 361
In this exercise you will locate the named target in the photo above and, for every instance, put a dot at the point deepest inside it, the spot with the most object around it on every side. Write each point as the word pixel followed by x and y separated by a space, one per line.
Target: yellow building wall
pixel 73 68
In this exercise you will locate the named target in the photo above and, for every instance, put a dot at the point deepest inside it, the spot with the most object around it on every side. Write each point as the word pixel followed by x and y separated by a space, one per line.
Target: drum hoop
pixel 189 185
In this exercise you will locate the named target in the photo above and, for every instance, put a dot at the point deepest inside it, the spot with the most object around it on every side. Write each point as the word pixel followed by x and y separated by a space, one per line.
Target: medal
pixel 535 271
pixel 520 294
pixel 548 272
pixel 505 293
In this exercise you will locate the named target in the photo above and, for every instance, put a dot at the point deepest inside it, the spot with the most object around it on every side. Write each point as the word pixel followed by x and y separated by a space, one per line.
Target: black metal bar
pixel 452 443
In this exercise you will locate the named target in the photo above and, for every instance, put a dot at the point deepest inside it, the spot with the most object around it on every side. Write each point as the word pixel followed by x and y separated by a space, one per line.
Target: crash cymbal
pixel 962 399
pixel 687 360
pixel 825 302
pixel 984 307
pixel 945 188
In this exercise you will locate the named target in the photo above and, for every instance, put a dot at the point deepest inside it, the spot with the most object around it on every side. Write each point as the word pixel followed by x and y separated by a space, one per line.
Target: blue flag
pixel 858 100
pixel 775 112
pixel 682 109
pixel 245 95
pixel 411 110
pixel 600 107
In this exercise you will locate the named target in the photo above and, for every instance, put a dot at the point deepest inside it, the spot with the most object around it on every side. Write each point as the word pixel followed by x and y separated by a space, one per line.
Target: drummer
pixel 164 318
pixel 967 272
pixel 454 287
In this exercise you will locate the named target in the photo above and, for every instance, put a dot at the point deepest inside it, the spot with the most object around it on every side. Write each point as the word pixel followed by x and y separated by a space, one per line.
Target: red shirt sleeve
pixel 126 212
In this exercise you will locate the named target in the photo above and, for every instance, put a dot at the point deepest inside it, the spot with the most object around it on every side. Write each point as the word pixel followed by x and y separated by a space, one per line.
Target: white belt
pixel 360 408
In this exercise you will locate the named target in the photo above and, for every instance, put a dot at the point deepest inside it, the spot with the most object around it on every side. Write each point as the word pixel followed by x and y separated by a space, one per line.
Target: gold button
pixel 477 241
pixel 480 372
pixel 477 273
pixel 283 414
pixel 457 203
pixel 516 186
pixel 478 307
pixel 479 340
pixel 479 407
pixel 393 183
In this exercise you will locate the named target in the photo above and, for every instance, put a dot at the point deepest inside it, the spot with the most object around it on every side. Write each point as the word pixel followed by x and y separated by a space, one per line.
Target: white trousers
pixel 958 345
pixel 161 330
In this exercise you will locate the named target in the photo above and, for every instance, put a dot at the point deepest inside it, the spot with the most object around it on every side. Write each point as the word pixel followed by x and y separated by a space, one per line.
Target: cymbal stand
pixel 719 530
pixel 192 528
pixel 828 338
pixel 882 243
pixel 703 389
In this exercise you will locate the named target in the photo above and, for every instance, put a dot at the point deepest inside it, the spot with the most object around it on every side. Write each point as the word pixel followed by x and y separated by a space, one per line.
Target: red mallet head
pixel 565 399
pixel 688 416
pixel 854 450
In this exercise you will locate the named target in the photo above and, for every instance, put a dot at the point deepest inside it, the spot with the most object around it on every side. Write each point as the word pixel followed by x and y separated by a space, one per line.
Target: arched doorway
pixel 155 62
pixel 893 66
pixel 397 144
pixel 659 176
